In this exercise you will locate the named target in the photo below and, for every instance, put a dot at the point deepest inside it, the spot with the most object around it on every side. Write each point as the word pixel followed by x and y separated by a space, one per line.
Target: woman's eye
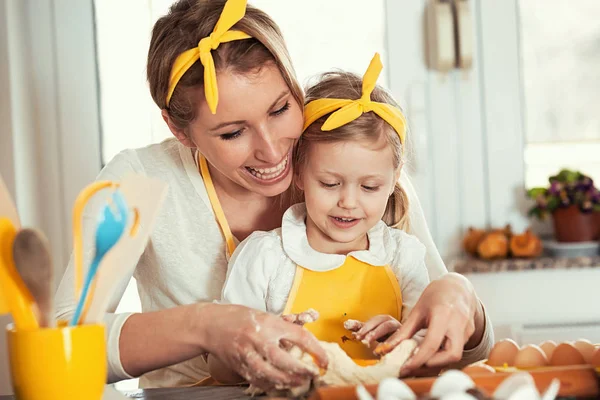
pixel 371 188
pixel 328 185
pixel 232 135
pixel 283 109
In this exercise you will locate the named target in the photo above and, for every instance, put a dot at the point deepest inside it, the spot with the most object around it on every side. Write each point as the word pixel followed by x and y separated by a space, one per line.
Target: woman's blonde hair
pixel 369 126
pixel 189 21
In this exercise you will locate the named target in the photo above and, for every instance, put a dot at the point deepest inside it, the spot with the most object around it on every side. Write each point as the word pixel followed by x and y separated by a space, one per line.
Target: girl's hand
pixel 453 316
pixel 377 328
pixel 251 342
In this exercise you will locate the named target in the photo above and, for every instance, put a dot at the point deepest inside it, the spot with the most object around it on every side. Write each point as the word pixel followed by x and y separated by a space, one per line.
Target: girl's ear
pixel 298 181
pixel 177 132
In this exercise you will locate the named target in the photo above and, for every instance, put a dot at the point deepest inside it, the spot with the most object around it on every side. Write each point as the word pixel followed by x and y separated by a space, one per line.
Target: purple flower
pixel 555 188
pixel 585 183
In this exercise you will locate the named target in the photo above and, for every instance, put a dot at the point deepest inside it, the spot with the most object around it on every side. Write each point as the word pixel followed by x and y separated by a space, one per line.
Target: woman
pixel 231 159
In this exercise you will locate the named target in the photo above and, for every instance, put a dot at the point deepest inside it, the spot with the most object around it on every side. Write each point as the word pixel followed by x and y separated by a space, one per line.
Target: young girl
pixel 343 252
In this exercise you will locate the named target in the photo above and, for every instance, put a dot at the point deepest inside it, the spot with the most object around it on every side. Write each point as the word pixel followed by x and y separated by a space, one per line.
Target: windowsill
pixel 473 265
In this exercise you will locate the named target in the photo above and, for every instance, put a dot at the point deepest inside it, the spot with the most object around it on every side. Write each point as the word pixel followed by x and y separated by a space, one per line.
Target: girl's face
pixel 346 187
pixel 250 139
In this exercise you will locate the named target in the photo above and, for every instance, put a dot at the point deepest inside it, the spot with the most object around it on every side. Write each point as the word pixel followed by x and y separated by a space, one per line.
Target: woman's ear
pixel 396 178
pixel 177 132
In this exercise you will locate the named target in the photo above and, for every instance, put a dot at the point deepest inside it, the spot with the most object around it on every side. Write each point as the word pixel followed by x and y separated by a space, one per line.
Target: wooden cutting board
pixel 580 381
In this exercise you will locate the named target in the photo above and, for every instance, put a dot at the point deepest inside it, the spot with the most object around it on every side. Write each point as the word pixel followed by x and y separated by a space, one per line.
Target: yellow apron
pixel 355 290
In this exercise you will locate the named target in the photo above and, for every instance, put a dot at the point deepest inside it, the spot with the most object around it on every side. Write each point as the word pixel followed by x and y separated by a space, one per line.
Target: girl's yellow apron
pixel 355 290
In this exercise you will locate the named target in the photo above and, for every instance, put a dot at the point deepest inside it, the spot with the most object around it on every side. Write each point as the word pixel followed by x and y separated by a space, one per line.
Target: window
pixel 130 118
pixel 560 59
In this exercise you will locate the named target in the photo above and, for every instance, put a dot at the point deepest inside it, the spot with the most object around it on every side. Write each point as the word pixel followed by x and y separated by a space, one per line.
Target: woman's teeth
pixel 269 173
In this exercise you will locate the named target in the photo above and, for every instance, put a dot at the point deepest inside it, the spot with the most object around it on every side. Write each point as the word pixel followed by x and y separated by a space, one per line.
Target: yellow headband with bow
pixel 233 11
pixel 347 111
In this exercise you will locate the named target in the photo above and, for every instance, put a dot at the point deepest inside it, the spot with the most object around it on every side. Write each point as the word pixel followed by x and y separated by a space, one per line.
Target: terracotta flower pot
pixel 572 225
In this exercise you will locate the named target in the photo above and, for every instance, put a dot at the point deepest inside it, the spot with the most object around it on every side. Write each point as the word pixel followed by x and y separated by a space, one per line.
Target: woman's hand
pixel 453 316
pixel 250 343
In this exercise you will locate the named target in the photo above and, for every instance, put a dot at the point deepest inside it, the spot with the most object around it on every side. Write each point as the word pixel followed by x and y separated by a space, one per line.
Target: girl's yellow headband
pixel 233 11
pixel 347 111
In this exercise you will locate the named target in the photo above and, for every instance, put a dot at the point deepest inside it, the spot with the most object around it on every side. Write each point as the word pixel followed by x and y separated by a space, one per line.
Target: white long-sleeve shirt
pixel 262 269
pixel 185 261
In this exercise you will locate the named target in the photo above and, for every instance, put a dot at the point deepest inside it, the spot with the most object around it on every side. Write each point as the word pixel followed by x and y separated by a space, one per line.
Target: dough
pixel 342 371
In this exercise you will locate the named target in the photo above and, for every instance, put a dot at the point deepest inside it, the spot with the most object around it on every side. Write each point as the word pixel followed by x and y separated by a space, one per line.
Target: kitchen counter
pixel 199 393
pixel 475 265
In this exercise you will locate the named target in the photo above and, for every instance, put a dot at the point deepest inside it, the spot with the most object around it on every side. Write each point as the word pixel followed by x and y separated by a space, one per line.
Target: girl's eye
pixel 232 135
pixel 371 188
pixel 328 185
pixel 283 109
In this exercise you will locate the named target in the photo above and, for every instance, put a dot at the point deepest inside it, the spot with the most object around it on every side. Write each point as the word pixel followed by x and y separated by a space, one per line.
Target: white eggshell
pixel 516 386
pixel 394 389
pixel 452 381
pixel 362 393
pixel 458 396
pixel 552 391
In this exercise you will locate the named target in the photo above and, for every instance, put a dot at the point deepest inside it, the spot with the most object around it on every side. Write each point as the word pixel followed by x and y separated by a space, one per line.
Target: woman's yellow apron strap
pixel 216 204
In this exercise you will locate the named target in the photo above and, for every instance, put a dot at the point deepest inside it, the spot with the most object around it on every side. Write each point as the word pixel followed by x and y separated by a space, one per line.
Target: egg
pixel 531 356
pixel 566 354
pixel 504 352
pixel 548 348
pixel 595 360
pixel 478 369
pixel 586 348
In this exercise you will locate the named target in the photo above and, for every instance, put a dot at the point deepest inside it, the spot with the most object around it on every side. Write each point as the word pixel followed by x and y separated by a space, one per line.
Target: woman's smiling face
pixel 250 138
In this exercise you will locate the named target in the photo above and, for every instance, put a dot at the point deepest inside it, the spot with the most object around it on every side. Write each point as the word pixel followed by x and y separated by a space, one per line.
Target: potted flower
pixel 574 203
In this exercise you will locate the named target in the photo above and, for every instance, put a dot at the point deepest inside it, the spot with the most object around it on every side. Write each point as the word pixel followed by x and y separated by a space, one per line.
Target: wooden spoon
pixel 33 261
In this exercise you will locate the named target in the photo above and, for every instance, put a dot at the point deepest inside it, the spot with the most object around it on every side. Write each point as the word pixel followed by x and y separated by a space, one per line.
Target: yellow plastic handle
pixel 18 298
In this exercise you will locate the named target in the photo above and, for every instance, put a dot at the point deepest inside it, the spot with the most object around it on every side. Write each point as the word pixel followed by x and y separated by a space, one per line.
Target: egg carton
pixel 457 385
pixel 508 356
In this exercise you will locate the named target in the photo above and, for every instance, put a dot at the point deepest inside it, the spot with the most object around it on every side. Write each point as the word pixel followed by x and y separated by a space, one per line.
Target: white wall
pixel 466 129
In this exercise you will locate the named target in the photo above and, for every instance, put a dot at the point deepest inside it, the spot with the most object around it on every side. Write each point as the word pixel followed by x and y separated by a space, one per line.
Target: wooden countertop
pixel 199 393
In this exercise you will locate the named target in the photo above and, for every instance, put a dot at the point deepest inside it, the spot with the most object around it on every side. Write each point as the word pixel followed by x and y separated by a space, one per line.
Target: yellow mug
pixel 64 363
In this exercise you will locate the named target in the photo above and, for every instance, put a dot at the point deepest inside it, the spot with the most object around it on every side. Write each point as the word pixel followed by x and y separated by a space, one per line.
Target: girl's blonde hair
pixel 369 126
pixel 189 21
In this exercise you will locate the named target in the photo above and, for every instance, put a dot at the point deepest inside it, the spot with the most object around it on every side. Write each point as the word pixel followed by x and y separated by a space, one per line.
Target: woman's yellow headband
pixel 233 11
pixel 347 111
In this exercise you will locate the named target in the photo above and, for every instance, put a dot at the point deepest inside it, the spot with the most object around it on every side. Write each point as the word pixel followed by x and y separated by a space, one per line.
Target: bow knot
pixel 344 111
pixel 365 104
pixel 233 11
pixel 209 43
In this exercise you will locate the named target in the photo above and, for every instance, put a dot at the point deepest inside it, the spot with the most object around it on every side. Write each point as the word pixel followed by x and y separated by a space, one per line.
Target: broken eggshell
pixel 453 385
